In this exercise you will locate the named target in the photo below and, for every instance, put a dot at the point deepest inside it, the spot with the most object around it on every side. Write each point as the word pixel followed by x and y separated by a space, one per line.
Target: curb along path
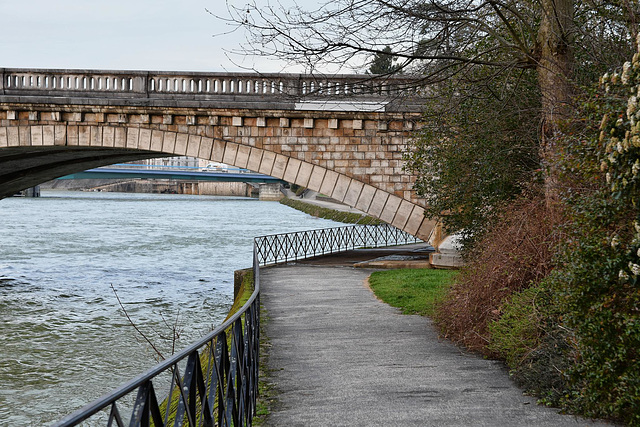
pixel 340 357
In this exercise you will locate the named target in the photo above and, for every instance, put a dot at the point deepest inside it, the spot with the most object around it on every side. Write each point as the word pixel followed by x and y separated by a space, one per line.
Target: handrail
pixel 219 384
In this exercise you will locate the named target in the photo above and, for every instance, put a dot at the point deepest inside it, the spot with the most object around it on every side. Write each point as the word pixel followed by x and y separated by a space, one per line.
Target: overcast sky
pixel 148 35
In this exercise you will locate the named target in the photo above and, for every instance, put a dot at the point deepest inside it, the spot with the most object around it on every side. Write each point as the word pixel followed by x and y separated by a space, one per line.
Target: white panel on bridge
pixel 339 106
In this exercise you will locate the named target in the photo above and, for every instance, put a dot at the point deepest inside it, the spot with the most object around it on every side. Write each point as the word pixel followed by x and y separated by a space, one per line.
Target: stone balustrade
pixel 132 84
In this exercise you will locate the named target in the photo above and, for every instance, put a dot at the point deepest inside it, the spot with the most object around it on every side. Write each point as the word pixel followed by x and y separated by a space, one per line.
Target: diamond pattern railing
pixel 278 248
pixel 214 382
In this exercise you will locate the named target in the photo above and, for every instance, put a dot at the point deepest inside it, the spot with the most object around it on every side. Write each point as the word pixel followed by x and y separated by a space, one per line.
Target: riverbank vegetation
pixel 530 150
pixel 332 214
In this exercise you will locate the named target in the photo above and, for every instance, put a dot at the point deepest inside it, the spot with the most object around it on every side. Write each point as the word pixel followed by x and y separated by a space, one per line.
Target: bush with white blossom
pixel 597 281
pixel 620 137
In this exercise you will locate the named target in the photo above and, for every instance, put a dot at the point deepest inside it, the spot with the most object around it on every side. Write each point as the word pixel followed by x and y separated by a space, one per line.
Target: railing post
pixel 139 84
pixel 2 80
pixel 292 86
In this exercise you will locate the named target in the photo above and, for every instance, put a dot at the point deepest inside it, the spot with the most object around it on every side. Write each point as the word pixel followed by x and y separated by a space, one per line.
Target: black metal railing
pixel 214 382
pixel 277 248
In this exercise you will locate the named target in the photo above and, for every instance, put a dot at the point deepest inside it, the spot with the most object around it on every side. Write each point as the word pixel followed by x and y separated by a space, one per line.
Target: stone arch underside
pixel 32 154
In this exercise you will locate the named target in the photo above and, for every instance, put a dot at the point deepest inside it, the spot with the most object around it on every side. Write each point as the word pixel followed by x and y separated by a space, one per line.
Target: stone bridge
pixel 343 136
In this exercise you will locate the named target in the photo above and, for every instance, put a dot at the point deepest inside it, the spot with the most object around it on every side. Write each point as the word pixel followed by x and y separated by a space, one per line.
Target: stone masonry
pixel 354 157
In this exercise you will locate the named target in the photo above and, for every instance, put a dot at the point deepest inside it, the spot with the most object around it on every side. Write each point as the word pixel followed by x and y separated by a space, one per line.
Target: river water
pixel 169 258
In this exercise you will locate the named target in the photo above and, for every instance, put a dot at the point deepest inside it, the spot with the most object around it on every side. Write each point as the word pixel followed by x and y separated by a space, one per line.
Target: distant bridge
pixel 343 136
pixel 121 173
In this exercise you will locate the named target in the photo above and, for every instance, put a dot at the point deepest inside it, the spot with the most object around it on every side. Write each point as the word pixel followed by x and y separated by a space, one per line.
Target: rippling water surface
pixel 170 258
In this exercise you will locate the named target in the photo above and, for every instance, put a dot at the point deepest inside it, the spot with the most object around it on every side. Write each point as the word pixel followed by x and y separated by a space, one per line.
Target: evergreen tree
pixel 382 63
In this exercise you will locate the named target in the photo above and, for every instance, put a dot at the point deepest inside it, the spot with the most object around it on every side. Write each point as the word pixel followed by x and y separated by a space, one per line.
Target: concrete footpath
pixel 340 357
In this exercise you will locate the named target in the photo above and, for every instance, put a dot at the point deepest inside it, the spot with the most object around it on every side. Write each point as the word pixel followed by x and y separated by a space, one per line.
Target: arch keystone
pixel 24 136
pixel 96 136
pixel 156 140
pixel 48 135
pixel 120 138
pixel 144 140
pixel 108 136
pixel 73 138
pixel 132 137
pixel 84 137
pixel 60 136
pixel 13 137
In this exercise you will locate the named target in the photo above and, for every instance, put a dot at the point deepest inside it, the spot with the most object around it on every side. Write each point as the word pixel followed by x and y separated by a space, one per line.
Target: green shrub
pixel 528 336
pixel 517 332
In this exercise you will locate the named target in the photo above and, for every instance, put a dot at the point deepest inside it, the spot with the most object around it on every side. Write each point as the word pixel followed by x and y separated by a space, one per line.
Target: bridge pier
pixel 270 192
pixel 189 188
pixel 32 191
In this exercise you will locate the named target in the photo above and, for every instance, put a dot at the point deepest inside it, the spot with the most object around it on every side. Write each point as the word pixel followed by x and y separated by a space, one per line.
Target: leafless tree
pixel 445 40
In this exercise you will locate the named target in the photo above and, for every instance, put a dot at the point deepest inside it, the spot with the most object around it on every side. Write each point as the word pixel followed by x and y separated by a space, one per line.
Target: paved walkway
pixel 340 357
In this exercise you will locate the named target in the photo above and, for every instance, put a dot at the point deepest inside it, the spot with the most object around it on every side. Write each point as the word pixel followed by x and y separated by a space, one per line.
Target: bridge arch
pixel 45 152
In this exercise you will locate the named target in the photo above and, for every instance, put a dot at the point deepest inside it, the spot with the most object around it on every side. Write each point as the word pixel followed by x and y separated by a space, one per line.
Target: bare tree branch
pixel 142 334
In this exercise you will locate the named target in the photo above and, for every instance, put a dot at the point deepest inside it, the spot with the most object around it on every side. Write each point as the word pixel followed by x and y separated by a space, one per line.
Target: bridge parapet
pixel 199 86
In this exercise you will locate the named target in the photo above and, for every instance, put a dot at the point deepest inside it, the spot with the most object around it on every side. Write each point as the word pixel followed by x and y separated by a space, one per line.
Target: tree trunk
pixel 554 77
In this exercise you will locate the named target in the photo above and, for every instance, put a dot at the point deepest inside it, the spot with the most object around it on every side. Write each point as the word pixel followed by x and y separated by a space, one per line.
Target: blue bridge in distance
pixel 127 173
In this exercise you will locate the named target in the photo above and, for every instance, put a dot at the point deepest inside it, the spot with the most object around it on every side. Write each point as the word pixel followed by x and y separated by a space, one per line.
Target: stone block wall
pixel 353 157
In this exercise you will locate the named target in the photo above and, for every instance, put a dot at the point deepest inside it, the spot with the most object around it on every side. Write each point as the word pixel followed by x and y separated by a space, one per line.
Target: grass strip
pixel 414 291
pixel 332 214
